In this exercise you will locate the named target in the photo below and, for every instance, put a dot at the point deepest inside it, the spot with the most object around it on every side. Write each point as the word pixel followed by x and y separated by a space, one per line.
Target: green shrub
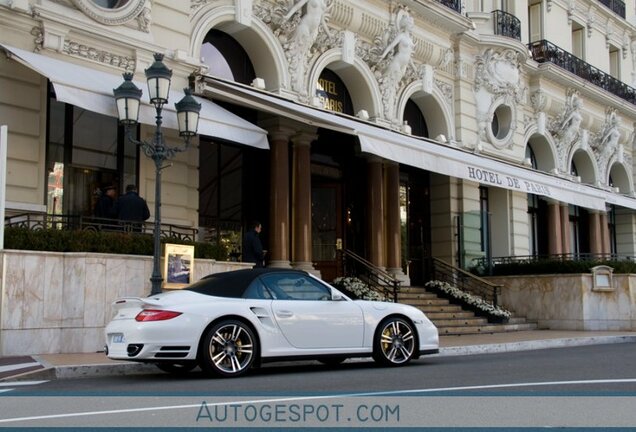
pixel 556 266
pixel 54 240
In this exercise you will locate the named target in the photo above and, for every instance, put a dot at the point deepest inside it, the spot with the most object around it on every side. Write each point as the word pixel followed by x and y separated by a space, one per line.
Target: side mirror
pixel 336 296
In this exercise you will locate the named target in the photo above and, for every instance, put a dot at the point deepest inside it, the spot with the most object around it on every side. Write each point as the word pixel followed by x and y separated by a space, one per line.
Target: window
pixel 615 62
pixel 287 286
pixel 535 21
pixel 257 290
pixel 85 151
pixel 578 40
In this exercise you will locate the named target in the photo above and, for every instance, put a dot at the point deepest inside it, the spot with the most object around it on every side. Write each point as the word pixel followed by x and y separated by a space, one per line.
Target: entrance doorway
pixel 326 227
pixel 415 201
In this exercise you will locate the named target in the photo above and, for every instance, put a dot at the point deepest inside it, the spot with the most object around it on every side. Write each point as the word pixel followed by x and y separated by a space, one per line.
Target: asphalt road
pixel 568 387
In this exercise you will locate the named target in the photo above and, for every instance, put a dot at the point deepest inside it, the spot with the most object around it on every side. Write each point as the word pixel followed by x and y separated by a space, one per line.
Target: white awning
pixel 423 153
pixel 93 90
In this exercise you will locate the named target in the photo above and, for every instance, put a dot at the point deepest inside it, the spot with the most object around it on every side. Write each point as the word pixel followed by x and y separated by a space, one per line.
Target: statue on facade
pixel 566 127
pixel 606 142
pixel 397 55
pixel 304 36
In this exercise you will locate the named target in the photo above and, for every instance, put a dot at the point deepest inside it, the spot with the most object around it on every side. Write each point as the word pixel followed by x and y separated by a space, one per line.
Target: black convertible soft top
pixel 233 283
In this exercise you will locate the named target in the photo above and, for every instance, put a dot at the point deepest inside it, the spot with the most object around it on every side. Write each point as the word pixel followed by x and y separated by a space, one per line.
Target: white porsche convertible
pixel 228 322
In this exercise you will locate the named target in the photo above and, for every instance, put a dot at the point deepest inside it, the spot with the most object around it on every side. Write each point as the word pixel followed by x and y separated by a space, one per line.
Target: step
pixel 428 302
pixel 410 290
pixel 488 328
pixel 459 322
pixel 406 297
pixel 449 315
pixel 439 308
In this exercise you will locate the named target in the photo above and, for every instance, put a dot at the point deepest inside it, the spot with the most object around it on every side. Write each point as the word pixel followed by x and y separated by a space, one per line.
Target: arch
pixel 438 115
pixel 620 178
pixel 257 40
pixel 544 150
pixel 585 166
pixel 357 77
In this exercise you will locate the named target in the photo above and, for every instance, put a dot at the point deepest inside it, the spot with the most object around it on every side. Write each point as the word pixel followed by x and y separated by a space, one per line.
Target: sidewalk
pixel 61 366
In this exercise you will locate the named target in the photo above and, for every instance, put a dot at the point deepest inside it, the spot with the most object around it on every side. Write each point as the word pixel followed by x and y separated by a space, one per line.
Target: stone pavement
pixel 60 366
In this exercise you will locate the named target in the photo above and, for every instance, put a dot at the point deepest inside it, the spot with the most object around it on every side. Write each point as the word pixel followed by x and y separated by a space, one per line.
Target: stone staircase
pixel 451 319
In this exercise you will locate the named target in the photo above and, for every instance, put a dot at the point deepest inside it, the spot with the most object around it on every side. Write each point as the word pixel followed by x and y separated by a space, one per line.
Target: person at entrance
pixel 131 209
pixel 105 202
pixel 252 247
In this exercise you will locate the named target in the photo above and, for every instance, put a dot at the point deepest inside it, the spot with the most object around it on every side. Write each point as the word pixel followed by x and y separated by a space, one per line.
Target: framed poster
pixel 178 266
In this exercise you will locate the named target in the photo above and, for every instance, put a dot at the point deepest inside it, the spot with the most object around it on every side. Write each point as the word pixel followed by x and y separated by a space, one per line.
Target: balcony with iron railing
pixel 544 51
pixel 506 24
pixel 616 6
pixel 456 5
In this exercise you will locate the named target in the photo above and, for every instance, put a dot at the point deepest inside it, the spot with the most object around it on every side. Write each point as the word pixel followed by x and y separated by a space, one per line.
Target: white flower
pixel 470 299
pixel 358 289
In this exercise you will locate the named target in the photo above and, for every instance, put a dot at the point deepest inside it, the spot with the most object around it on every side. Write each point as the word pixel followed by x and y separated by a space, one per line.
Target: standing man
pixel 131 209
pixel 252 247
pixel 105 202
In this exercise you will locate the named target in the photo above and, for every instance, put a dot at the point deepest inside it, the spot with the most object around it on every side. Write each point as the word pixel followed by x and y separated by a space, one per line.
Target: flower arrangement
pixel 471 300
pixel 357 290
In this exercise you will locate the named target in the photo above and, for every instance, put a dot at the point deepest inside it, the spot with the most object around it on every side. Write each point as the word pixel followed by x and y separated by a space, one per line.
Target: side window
pixel 257 290
pixel 296 287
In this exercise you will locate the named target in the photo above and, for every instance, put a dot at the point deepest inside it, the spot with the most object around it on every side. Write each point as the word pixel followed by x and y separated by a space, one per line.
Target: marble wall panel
pixel 73 290
pixel 94 291
pixel 13 291
pixel 53 294
pixel 568 302
pixel 82 340
pixel 34 288
pixel 30 341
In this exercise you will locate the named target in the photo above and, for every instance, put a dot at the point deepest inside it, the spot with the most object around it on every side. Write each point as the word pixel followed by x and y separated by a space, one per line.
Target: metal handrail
pixel 506 24
pixel 40 220
pixel 377 279
pixel 544 51
pixel 463 280
pixel 522 259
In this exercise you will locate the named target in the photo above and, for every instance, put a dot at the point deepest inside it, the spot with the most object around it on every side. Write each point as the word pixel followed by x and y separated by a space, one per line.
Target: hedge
pixel 556 266
pixel 54 240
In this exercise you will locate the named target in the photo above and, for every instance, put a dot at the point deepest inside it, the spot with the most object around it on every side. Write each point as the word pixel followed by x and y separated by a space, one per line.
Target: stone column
pixel 596 241
pixel 301 206
pixel 554 228
pixel 375 211
pixel 605 234
pixel 279 255
pixel 393 231
pixel 565 229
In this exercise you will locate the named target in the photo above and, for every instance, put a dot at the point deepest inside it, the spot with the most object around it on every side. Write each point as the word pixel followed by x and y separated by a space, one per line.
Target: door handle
pixel 285 313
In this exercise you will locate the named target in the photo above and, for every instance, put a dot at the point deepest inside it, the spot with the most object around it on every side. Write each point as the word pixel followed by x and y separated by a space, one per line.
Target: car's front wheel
pixel 229 349
pixel 394 342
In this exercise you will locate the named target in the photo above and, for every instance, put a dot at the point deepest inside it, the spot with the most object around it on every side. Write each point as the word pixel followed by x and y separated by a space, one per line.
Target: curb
pixel 533 345
pixel 52 372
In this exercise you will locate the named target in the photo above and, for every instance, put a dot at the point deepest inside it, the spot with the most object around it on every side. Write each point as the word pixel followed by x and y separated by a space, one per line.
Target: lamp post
pixel 128 97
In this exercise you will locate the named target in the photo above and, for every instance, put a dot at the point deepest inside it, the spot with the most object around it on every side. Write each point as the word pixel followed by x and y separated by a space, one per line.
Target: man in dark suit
pixel 252 247
pixel 131 209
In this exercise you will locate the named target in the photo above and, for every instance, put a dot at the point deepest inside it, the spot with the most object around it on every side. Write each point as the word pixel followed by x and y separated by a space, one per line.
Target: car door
pixel 309 318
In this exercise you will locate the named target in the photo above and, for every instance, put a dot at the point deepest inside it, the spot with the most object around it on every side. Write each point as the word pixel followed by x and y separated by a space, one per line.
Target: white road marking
pixel 17 366
pixel 21 383
pixel 309 398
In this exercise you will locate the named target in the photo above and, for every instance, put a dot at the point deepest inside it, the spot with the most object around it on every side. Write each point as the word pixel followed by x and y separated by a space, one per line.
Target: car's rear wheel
pixel 229 349
pixel 177 368
pixel 394 342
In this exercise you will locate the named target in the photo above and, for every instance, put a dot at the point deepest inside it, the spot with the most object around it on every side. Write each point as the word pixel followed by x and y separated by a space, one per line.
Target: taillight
pixel 156 315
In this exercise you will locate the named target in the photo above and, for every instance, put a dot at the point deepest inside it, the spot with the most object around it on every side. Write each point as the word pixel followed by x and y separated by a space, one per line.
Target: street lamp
pixel 128 96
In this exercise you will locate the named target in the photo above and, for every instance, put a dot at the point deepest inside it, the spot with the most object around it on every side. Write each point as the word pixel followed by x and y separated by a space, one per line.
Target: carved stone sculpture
pixel 605 144
pixel 566 128
pixel 395 59
pixel 299 47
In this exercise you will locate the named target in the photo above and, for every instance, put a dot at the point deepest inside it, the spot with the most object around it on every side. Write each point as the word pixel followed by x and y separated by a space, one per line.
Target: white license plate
pixel 118 338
